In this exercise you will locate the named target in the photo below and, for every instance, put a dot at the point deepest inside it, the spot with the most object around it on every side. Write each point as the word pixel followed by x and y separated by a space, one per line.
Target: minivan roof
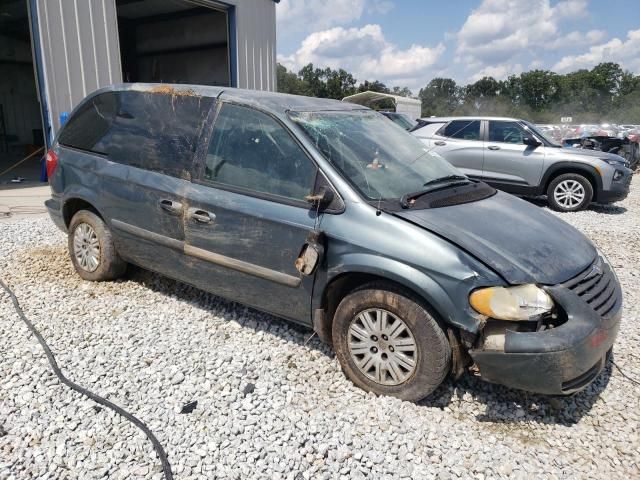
pixel 278 103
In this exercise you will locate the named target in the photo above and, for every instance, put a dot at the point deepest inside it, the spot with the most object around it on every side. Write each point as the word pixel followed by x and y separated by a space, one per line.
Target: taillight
pixel 51 162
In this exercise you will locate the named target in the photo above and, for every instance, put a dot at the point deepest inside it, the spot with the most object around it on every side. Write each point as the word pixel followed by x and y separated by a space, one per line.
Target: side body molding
pixel 206 255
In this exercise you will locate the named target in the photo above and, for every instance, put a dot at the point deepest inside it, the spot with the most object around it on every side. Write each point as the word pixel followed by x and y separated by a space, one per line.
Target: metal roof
pixel 368 98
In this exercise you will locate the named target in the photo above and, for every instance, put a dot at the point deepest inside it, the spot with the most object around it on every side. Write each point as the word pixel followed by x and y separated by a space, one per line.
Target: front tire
pixel 569 192
pixel 91 248
pixel 389 344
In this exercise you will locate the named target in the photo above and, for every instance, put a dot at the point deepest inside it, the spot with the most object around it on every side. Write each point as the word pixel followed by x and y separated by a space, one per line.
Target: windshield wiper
pixel 444 179
pixel 448 180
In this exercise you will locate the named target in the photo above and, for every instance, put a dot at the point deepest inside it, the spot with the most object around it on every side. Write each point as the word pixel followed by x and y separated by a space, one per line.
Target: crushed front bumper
pixel 559 361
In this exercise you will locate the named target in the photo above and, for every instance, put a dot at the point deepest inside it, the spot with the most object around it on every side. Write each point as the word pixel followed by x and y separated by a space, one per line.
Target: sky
pixel 409 42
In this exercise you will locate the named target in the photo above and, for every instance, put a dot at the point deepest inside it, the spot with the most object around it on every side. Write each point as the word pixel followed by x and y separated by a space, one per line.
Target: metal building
pixel 54 52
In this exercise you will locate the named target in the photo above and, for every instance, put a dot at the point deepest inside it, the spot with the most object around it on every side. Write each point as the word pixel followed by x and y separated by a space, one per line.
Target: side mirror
pixel 322 199
pixel 531 141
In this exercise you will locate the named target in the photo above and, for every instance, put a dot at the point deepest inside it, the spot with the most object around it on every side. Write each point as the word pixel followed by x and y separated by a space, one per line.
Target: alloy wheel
pixel 569 194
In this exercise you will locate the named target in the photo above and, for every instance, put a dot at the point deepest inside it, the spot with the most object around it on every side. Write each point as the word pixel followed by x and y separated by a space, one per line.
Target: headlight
pixel 621 162
pixel 524 302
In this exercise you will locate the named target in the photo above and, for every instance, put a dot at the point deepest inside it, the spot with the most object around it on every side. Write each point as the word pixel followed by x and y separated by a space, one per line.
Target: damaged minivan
pixel 329 215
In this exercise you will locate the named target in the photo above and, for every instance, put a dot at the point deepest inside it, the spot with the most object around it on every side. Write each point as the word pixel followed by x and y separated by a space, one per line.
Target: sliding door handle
pixel 493 147
pixel 170 206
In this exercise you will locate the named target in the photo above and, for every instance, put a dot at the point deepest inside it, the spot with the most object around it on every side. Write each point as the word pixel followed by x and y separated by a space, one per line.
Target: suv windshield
pixel 377 156
pixel 541 135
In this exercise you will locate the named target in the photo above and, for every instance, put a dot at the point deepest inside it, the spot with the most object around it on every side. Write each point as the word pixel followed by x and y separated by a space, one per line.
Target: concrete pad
pixel 23 202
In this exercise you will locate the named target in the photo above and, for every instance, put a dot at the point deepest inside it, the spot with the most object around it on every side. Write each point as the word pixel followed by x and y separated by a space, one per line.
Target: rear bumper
pixel 559 361
pixel 55 212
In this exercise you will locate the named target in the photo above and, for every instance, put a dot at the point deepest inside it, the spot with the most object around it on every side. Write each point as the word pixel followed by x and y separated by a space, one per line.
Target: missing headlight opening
pixel 493 335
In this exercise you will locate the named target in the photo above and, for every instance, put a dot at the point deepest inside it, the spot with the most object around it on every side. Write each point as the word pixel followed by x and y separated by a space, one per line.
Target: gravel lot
pixel 269 406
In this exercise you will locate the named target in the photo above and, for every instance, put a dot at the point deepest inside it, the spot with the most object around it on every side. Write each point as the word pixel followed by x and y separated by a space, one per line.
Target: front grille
pixel 598 286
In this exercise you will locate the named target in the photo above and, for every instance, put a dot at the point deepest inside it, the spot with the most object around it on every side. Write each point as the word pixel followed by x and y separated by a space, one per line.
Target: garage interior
pixel 20 120
pixel 174 41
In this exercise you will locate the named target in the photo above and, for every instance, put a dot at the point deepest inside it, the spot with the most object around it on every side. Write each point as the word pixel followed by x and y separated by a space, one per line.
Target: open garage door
pixel 174 41
pixel 21 132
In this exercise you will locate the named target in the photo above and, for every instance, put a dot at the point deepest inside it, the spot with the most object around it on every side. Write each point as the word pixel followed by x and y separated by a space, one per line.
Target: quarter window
pixel 461 129
pixel 506 132
pixel 152 131
pixel 252 151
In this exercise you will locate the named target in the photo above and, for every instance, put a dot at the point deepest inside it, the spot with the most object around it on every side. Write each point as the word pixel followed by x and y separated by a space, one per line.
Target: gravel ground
pixel 269 406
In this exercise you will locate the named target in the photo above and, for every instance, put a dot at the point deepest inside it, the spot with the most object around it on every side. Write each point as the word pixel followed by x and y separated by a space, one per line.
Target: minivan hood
pixel 518 240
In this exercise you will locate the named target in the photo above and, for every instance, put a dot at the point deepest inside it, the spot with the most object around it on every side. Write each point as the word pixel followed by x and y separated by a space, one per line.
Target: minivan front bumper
pixel 559 361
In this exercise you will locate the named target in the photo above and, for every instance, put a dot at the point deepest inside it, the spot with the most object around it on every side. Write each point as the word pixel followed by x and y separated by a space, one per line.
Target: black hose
pixel 166 466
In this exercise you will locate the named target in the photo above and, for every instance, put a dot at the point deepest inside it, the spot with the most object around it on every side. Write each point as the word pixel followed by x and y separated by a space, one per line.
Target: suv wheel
pixel 389 344
pixel 91 248
pixel 569 192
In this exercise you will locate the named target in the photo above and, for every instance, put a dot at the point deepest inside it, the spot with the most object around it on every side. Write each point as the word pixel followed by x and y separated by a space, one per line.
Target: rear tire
pixel 389 344
pixel 569 192
pixel 92 250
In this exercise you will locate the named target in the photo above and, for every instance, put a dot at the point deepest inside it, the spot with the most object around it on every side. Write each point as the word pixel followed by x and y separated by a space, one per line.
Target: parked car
pixel 327 214
pixel 516 157
pixel 401 119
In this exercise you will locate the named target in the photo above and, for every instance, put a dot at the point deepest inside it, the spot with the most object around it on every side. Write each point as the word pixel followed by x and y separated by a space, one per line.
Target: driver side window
pixel 506 132
pixel 252 151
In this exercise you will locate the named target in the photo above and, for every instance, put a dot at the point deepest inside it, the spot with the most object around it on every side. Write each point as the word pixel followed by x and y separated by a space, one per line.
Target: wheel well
pixel 74 205
pixel 585 173
pixel 342 286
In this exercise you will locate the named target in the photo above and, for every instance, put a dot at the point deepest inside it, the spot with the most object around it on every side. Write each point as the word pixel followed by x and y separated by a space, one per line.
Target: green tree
pixel 402 91
pixel 538 89
pixel 289 82
pixel 375 86
pixel 340 84
pixel 441 96
pixel 606 93
pixel 313 78
pixel 481 95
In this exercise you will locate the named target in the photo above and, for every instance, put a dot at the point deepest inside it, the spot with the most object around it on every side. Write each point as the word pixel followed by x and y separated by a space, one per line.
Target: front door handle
pixel 171 206
pixel 440 143
pixel 201 216
pixel 493 147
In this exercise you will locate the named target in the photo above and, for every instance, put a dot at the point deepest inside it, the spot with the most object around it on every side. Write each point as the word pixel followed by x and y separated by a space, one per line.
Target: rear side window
pixel 462 129
pixel 252 151
pixel 506 132
pixel 90 124
pixel 153 131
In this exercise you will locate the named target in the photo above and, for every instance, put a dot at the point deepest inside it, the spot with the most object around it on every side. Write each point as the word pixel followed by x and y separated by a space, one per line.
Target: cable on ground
pixel 166 466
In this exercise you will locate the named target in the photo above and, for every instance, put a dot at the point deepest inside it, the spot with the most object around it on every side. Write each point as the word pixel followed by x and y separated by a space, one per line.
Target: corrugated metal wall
pixel 256 36
pixel 80 50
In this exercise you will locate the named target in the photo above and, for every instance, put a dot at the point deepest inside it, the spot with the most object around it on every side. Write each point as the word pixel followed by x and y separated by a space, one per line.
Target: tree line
pixel 606 93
